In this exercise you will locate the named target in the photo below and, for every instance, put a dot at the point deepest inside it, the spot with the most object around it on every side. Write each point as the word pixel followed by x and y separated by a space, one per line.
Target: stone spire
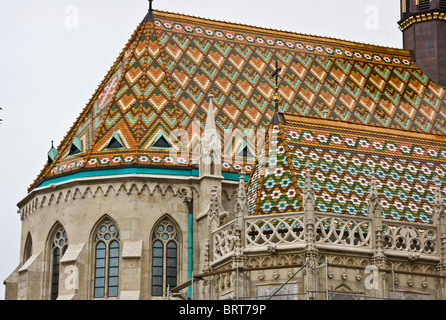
pixel 374 210
pixel 210 119
pixel 309 219
pixel 241 204
pixel 374 207
pixel 308 194
pixel 439 210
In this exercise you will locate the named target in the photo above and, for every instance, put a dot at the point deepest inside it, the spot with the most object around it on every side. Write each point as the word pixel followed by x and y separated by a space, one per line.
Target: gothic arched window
pixel 106 267
pixel 165 247
pixel 28 250
pixel 58 247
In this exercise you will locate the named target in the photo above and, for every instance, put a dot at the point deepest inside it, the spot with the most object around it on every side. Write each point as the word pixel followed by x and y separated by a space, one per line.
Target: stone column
pixel 374 210
pixel 376 282
pixel 239 259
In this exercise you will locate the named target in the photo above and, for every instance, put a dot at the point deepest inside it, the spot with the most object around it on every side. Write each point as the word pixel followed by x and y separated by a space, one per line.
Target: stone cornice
pixel 421 17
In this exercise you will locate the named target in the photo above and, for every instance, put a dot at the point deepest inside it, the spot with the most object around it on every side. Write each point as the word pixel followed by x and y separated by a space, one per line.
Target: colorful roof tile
pixel 343 156
pixel 277 190
pixel 160 82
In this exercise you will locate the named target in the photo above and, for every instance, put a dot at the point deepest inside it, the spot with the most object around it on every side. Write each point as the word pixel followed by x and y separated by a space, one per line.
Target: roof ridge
pixel 310 37
pixel 338 123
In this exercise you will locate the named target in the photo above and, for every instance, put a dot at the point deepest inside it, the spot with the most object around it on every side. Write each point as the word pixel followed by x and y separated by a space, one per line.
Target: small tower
pixel 423 23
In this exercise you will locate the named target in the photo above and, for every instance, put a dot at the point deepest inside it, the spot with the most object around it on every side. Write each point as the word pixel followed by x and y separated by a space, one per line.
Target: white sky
pixel 49 71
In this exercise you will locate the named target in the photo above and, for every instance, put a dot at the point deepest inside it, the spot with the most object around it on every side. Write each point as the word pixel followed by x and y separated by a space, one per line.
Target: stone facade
pixel 233 255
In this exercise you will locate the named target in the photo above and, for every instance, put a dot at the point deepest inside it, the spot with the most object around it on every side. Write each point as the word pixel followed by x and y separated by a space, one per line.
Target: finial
pixel 241 176
pixel 276 82
pixel 210 120
pixel 437 180
pixel 373 173
pixel 307 176
pixel 373 185
pixel 276 96
pixel 149 15
pixel 325 112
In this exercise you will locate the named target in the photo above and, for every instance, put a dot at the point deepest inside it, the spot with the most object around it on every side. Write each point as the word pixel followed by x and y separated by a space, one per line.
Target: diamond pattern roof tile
pixel 161 79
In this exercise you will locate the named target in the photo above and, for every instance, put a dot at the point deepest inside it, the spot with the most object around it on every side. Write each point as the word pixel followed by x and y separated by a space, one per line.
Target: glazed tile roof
pixel 161 81
pixel 273 187
pixel 342 157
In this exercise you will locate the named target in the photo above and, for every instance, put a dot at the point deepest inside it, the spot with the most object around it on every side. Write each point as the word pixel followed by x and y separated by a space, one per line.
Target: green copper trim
pixel 123 171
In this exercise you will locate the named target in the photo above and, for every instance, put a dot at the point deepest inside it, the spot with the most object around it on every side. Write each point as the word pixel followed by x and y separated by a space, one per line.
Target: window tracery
pixel 106 271
pixel 165 245
pixel 59 246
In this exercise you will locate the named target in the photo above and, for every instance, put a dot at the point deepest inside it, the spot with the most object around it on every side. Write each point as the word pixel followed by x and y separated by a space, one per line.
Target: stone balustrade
pixel 331 231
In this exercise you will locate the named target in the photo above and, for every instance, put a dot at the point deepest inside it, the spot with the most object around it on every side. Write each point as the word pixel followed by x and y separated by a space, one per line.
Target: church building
pixel 218 160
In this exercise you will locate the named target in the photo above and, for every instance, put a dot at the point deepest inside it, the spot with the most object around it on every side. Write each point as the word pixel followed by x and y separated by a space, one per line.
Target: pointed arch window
pixel 58 248
pixel 165 247
pixel 28 250
pixel 106 268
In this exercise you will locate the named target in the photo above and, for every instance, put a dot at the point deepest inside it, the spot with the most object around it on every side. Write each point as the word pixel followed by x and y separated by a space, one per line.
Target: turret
pixel 423 23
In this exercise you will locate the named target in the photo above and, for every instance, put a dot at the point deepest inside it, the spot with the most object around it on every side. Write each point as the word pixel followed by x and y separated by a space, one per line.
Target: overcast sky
pixel 55 53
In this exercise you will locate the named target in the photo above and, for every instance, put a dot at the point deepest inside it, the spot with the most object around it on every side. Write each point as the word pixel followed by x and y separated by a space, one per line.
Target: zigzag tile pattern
pixel 162 79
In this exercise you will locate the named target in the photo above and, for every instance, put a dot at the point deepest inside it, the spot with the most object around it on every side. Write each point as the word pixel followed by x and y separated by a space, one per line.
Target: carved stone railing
pixel 273 230
pixel 411 238
pixel 224 239
pixel 331 231
pixel 351 231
